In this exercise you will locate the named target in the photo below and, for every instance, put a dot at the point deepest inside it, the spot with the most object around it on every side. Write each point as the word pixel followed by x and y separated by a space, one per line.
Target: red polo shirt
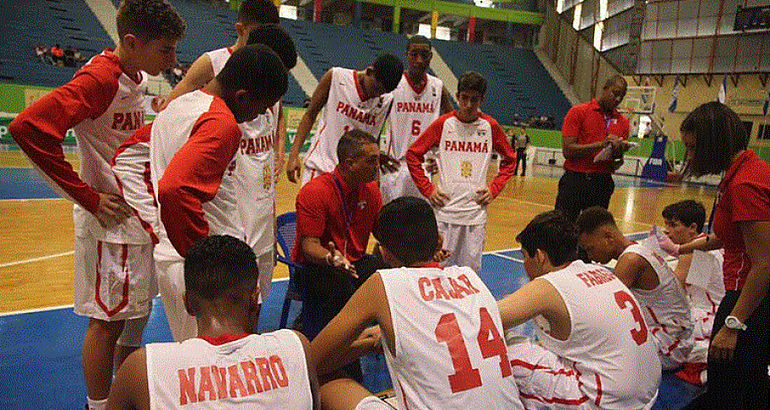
pixel 320 214
pixel 587 122
pixel 744 195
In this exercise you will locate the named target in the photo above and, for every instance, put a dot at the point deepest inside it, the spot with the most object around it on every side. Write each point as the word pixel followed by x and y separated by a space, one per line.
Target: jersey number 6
pixel 490 343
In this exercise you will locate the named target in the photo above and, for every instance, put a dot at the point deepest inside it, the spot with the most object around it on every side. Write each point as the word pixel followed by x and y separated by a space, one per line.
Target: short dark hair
pixel 388 70
pixel 257 12
pixel 218 264
pixel 617 78
pixel 592 218
pixel 407 227
pixel 719 134
pixel 275 37
pixel 552 233
pixel 257 69
pixel 687 212
pixel 418 39
pixel 149 20
pixel 472 81
pixel 351 143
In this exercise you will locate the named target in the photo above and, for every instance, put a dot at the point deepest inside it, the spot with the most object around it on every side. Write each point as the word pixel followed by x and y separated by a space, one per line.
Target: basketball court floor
pixel 40 364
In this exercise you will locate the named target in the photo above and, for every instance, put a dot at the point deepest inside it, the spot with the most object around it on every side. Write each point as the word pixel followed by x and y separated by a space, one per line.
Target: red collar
pixel 417 89
pixel 223 338
pixel 595 106
pixel 735 166
pixel 336 174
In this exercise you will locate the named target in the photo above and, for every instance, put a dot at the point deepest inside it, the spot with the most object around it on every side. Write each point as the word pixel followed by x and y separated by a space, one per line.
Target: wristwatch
pixel 732 322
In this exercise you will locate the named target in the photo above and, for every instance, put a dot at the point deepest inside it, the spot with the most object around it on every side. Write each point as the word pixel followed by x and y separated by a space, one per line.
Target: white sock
pixel 96 404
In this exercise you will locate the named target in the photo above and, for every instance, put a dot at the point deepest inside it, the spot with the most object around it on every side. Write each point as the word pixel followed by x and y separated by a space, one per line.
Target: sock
pixel 96 404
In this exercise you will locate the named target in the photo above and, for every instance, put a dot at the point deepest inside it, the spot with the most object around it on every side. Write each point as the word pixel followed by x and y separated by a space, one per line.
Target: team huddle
pixel 185 206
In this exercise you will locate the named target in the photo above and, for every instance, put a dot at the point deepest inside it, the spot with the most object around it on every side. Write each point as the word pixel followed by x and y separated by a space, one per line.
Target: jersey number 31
pixel 490 343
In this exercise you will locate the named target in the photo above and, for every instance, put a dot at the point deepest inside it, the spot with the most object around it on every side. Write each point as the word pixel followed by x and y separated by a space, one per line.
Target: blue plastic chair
pixel 287 229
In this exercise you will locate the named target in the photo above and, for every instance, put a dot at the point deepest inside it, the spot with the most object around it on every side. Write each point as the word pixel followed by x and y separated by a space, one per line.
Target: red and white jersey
pixel 614 356
pixel 103 105
pixel 464 153
pixel 450 348
pixel 254 170
pixel 414 109
pixel 666 308
pixel 131 166
pixel 192 144
pixel 345 110
pixel 253 371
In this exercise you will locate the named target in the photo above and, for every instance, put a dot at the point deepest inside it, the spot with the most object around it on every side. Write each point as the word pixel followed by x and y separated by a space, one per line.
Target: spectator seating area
pixel 518 83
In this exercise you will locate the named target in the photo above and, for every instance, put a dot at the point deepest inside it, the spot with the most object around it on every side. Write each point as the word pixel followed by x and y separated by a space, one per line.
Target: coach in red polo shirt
pixel 336 213
pixel 588 128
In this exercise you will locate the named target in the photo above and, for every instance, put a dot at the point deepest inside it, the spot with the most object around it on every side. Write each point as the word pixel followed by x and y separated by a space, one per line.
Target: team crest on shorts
pixel 466 169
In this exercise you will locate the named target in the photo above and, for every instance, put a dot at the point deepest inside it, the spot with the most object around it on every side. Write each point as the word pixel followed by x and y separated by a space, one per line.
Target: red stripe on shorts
pixel 124 299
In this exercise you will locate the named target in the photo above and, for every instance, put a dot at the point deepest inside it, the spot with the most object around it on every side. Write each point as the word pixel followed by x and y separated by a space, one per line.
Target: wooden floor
pixel 36 239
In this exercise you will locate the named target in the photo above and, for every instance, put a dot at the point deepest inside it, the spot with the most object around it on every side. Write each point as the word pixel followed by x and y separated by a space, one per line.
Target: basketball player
pixel 350 100
pixel 251 14
pixel 684 223
pixel 114 273
pixel 254 163
pixel 595 350
pixel 224 366
pixel 192 144
pixel 417 102
pixel 441 333
pixel 464 140
pixel 643 269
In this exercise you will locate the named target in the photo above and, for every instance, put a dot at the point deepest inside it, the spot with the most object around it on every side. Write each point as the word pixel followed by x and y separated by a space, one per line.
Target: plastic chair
pixel 287 229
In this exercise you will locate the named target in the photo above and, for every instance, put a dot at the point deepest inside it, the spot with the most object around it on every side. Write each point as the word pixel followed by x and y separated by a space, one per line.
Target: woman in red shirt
pixel 716 142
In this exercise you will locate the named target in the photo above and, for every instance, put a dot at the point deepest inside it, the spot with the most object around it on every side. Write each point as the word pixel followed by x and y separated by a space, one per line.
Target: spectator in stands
pixel 588 129
pixel 57 55
pixel 739 355
pixel 353 100
pixel 42 53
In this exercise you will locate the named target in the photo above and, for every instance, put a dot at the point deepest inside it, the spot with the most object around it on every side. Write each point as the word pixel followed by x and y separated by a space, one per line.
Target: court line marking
pixel 38 259
pixel 49 308
pixel 31 199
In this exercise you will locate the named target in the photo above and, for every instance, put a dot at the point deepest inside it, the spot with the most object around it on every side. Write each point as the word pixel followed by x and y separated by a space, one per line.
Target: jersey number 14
pixel 490 343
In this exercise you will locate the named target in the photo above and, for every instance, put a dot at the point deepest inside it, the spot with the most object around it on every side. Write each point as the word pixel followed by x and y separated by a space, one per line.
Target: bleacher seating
pixel 517 83
pixel 49 22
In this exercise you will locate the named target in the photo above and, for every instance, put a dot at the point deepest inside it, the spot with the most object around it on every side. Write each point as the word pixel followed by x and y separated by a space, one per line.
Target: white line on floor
pixel 38 259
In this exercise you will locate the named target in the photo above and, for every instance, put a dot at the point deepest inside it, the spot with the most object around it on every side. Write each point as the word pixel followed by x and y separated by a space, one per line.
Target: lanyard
pixel 348 215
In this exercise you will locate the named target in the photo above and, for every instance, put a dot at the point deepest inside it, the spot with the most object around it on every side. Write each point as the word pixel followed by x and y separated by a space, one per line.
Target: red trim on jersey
pixel 403 395
pixel 148 184
pixel 40 129
pixel 315 144
pixel 549 370
pixel 230 50
pixel 655 319
pixel 195 173
pixel 223 338
pixel 358 86
pixel 598 388
pixel 417 89
pixel 124 299
pixel 557 400
pixel 507 165
pixel 714 306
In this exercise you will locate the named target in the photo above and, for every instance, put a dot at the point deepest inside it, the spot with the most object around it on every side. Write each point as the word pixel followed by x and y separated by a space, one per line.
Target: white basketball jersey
pixel 464 154
pixel 254 168
pixel 705 280
pixel 449 345
pixel 666 309
pixel 170 131
pixel 253 371
pixel 98 139
pixel 613 352
pixel 345 110
pixel 413 109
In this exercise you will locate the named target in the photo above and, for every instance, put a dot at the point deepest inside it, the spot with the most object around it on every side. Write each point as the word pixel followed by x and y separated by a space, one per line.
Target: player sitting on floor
pixel 642 268
pixel 596 351
pixel 701 275
pixel 224 366
pixel 440 327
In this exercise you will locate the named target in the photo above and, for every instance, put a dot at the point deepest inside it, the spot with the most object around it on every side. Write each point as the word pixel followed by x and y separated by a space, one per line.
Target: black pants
pixel 327 291
pixel 521 160
pixel 743 382
pixel 578 191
